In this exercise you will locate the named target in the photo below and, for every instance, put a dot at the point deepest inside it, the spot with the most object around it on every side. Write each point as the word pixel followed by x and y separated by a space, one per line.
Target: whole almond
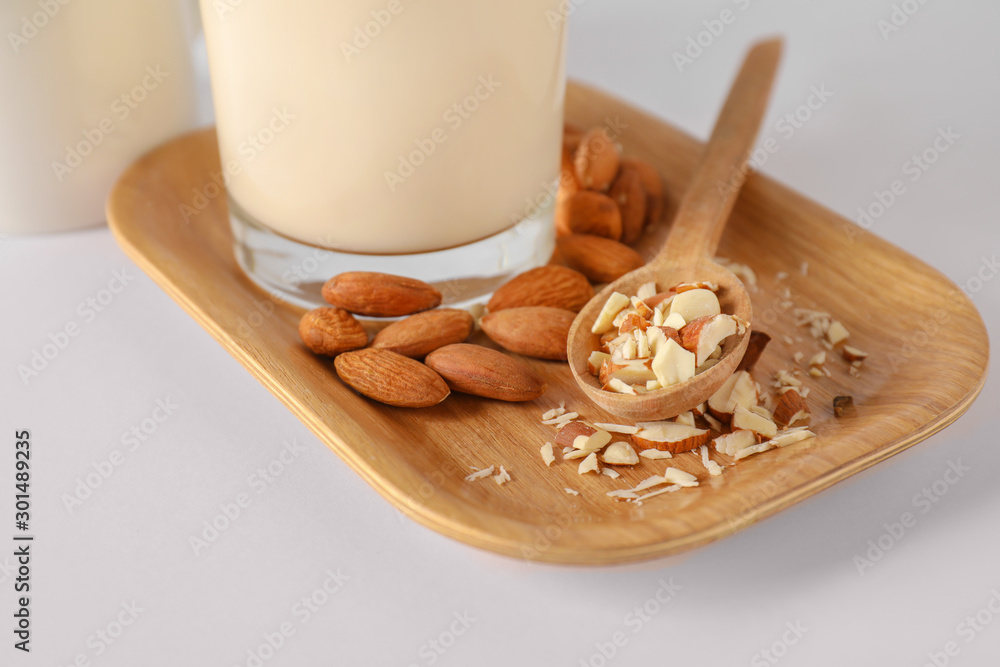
pixel 380 294
pixel 425 332
pixel 482 371
pixel 534 331
pixel 552 285
pixel 596 160
pixel 391 378
pixel 629 196
pixel 601 260
pixel 568 186
pixel 330 331
pixel 588 212
pixel 653 186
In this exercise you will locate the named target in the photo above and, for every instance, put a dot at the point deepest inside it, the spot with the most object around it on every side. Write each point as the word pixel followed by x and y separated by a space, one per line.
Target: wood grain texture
pixel 928 362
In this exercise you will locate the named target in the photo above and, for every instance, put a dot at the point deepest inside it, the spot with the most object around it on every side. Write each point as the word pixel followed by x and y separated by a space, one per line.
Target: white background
pixel 130 540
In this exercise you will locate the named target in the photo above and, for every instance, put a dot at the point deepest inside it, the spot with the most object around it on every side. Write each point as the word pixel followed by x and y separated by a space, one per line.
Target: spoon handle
pixel 712 192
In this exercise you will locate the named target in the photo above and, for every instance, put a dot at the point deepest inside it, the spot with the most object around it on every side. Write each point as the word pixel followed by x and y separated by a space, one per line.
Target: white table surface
pixel 402 587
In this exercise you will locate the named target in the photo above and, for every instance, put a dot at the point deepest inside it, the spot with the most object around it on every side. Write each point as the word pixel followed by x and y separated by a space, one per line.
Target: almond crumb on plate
pixel 572 492
pixel 547 455
pixel 502 476
pixel 479 474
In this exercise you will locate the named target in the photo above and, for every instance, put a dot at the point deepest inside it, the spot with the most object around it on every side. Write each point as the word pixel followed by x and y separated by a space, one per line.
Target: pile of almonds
pixel 604 203
pixel 389 369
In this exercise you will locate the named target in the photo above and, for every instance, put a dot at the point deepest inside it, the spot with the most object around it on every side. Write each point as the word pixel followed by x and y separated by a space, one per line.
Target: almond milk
pixel 387 126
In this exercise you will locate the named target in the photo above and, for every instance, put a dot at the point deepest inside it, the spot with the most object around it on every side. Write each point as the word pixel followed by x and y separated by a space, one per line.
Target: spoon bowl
pixel 687 255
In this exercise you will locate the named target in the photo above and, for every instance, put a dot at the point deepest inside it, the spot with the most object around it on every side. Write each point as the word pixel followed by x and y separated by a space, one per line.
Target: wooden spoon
pixel 687 255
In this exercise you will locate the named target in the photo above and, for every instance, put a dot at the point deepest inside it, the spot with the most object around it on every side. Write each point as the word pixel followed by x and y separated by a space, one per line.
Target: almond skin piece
pixel 571 431
pixel 330 331
pixel 652 185
pixel 758 341
pixel 423 333
pixel 534 331
pixel 552 285
pixel 791 407
pixel 596 160
pixel 482 371
pixel 588 212
pixel 391 378
pixel 380 294
pixel 601 260
pixel 629 196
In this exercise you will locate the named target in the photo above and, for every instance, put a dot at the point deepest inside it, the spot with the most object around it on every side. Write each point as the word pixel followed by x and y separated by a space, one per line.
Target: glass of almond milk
pixel 410 137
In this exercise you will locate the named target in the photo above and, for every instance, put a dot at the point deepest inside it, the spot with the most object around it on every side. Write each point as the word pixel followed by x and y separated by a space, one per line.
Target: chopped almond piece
pixel 843 405
pixel 790 408
pixel 547 456
pixel 670 436
pixel 620 453
pixel 853 353
pixel 589 464
pixel 836 333
pixel 614 305
pixel 751 421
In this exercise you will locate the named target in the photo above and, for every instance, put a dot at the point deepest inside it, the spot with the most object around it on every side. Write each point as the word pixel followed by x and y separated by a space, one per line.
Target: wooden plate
pixel 928 348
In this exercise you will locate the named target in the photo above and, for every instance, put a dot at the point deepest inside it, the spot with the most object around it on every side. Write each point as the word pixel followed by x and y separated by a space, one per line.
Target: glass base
pixel 465 275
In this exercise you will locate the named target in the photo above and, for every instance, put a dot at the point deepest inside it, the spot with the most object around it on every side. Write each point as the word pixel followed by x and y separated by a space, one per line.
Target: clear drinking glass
pixel 415 138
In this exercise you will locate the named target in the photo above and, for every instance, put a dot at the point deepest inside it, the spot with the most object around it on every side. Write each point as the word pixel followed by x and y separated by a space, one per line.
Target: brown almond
pixel 601 260
pixel 482 371
pixel 630 197
pixel 652 184
pixel 588 212
pixel 552 285
pixel 420 334
pixel 330 331
pixel 391 378
pixel 596 160
pixel 380 294
pixel 755 347
pixel 571 431
pixel 791 408
pixel 534 331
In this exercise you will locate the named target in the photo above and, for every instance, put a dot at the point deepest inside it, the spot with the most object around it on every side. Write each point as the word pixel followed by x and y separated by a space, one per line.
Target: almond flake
pixel 502 476
pixel 654 454
pixel 616 428
pixel 553 413
pixel 608 472
pixel 547 456
pixel 570 491
pixel 479 474
pixel 589 464
pixel 711 466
